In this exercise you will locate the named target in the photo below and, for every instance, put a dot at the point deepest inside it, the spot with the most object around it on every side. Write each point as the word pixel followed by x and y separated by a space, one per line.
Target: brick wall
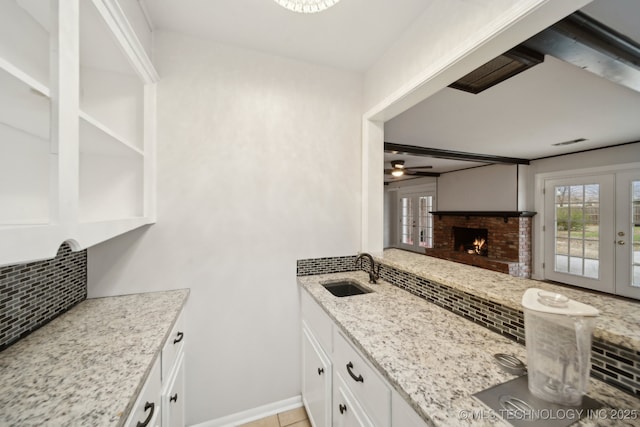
pixel 509 242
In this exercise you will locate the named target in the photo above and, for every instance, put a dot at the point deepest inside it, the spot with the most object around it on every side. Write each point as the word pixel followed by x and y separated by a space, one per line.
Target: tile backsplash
pixel 33 294
pixel 308 267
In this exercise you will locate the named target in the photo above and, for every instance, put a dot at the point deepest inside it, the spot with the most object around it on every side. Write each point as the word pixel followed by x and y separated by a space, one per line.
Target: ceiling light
pixel 306 6
pixel 397 172
pixel 397 164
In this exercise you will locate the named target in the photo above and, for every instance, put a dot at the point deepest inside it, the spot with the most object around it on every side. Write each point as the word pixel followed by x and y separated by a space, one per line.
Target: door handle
pixel 620 242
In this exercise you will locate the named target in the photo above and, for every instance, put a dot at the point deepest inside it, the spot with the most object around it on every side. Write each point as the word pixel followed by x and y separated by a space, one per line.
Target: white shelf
pixel 25 159
pixel 96 138
pixel 22 108
pixel 24 46
pixel 14 71
pixel 75 166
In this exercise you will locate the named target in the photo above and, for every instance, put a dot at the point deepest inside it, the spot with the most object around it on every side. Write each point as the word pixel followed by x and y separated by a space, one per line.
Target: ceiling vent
pixel 499 69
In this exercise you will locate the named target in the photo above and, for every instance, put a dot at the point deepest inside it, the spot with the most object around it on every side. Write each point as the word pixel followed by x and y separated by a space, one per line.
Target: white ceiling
pixel 350 35
pixel 521 117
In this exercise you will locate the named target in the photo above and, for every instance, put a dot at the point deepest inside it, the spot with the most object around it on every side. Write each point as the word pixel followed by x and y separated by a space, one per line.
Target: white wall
pixel 487 188
pixel 258 165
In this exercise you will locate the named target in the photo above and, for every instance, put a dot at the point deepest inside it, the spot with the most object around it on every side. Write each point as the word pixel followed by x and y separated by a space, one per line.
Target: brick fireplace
pixel 508 239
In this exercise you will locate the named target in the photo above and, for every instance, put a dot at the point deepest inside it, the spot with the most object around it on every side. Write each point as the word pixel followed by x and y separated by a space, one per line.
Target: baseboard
pixel 247 416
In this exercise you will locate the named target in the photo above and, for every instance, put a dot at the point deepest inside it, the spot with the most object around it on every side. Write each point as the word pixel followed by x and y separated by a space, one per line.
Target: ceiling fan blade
pixel 420 167
pixel 420 173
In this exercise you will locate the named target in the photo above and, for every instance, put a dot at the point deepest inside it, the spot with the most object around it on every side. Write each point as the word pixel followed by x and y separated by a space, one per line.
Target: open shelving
pixel 75 165
pixel 25 109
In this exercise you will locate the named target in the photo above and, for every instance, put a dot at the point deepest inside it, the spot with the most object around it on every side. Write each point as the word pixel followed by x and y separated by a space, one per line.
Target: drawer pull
pixel 358 378
pixel 173 398
pixel 180 336
pixel 147 406
pixel 320 371
pixel 343 408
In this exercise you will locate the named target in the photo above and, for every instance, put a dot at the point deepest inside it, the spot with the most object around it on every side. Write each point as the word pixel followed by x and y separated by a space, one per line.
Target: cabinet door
pixel 346 410
pixel 403 415
pixel 316 381
pixel 146 411
pixel 173 398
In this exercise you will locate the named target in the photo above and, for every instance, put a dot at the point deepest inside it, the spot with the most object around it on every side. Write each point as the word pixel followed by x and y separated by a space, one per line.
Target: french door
pixel 416 223
pixel 592 232
pixel 627 238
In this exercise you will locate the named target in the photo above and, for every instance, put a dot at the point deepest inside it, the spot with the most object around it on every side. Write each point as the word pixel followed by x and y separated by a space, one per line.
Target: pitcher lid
pixel 555 303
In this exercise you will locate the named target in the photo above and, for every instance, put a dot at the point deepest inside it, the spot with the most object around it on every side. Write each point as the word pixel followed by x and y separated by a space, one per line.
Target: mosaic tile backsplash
pixel 309 267
pixel 613 364
pixel 33 294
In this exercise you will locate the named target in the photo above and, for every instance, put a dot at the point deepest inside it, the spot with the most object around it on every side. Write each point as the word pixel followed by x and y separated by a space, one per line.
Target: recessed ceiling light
pixel 306 6
pixel 573 141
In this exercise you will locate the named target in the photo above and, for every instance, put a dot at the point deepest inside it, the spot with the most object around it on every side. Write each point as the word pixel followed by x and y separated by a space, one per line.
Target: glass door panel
pixel 416 223
pixel 575 217
pixel 627 234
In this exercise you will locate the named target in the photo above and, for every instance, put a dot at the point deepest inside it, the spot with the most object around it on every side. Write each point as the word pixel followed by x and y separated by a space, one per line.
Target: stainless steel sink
pixel 345 288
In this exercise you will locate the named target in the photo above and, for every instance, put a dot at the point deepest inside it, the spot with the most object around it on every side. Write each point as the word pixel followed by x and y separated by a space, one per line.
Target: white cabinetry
pixel 146 411
pixel 161 401
pixel 347 411
pixel 77 120
pixel 354 394
pixel 316 380
pixel 173 396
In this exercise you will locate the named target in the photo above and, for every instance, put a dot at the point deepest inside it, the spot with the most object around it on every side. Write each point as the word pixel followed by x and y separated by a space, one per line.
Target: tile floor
pixel 293 418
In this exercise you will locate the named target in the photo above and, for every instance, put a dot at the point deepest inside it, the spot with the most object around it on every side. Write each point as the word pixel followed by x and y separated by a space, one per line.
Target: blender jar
pixel 558 340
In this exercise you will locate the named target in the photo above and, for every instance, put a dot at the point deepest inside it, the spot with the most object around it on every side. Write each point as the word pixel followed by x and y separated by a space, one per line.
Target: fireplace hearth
pixel 458 236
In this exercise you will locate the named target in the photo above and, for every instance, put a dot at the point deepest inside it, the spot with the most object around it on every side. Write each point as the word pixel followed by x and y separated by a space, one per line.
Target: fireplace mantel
pixel 498 214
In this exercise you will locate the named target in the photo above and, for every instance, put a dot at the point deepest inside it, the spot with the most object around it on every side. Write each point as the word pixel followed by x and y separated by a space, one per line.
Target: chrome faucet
pixel 374 274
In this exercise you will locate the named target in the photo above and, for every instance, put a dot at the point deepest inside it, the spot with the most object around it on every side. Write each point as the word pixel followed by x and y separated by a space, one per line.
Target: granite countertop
pixel 86 367
pixel 618 323
pixel 435 359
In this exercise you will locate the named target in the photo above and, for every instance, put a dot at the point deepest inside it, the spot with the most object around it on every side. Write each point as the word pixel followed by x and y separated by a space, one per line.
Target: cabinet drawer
pixel 173 347
pixel 173 397
pixel 346 410
pixel 367 386
pixel 318 321
pixel 146 411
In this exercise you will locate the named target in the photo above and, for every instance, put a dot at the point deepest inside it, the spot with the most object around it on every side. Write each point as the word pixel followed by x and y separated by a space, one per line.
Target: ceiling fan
pixel 399 169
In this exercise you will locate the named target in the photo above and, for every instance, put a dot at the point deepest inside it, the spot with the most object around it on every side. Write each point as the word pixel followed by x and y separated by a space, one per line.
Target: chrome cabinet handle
pixel 358 378
pixel 147 406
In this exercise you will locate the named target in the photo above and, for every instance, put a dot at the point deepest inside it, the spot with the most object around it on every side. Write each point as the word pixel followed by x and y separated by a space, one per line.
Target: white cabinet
pixel 354 394
pixel 161 403
pixel 77 120
pixel 146 411
pixel 316 380
pixel 347 411
pixel 366 385
pixel 402 414
pixel 173 395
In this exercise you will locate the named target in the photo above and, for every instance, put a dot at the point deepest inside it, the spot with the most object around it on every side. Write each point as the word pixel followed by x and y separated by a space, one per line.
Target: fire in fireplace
pixel 471 240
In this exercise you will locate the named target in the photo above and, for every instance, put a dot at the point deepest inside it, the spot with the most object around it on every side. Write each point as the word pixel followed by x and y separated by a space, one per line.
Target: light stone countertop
pixel 435 359
pixel 618 323
pixel 86 367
